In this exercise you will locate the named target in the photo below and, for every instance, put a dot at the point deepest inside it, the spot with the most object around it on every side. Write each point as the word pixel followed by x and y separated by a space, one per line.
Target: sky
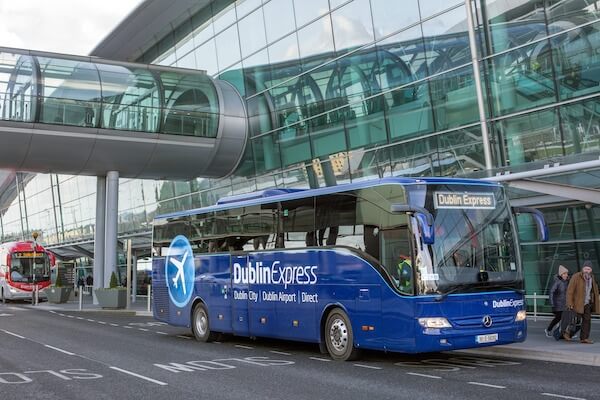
pixel 61 26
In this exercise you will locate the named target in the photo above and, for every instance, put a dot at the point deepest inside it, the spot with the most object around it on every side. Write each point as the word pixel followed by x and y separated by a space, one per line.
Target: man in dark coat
pixel 583 297
pixel 558 297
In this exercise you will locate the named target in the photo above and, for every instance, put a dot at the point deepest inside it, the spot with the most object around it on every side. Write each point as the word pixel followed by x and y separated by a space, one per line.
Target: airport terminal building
pixel 338 91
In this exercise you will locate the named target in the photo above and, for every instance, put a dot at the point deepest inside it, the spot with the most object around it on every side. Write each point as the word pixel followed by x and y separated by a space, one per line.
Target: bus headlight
pixel 521 315
pixel 437 322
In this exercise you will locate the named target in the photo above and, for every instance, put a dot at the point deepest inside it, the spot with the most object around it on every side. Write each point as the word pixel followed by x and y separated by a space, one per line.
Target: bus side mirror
pixel 424 218
pixel 539 219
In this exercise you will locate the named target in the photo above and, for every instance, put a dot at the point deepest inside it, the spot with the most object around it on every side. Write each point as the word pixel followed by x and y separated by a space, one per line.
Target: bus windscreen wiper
pixel 455 289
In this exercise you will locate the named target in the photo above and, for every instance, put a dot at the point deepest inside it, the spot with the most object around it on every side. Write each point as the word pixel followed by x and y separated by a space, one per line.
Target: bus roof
pixel 270 195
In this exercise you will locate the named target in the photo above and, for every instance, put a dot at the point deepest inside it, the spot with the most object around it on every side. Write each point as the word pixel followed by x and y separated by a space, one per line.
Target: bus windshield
pixel 474 245
pixel 29 269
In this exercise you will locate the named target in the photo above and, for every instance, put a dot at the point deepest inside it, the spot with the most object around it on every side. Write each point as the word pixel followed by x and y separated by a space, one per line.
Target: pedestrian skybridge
pixel 85 115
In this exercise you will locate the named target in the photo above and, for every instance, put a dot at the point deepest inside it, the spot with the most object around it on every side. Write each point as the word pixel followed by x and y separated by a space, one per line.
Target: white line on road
pixel 92 320
pixel 61 350
pixel 184 337
pixel 62 315
pixel 162 333
pixel 424 375
pixel 13 334
pixel 280 352
pixel 139 376
pixel 319 359
pixel 487 385
pixel 562 397
pixel 80 318
pixel 127 327
pixel 367 366
pixel 102 322
pixel 244 347
pixel 70 316
pixel 53 312
pixel 114 325
pixel 143 329
pixel 215 342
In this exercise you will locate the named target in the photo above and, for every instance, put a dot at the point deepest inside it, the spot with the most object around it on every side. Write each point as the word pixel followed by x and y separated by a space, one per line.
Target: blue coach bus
pixel 396 264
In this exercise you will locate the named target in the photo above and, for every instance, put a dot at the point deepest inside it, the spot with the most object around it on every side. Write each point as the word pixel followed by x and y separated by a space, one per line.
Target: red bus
pixel 23 265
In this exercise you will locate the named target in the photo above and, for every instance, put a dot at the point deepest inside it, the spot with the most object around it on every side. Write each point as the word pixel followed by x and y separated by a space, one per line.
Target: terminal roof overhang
pixel 144 26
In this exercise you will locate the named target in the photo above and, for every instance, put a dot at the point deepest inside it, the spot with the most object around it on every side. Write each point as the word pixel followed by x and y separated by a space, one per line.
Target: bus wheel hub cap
pixel 338 335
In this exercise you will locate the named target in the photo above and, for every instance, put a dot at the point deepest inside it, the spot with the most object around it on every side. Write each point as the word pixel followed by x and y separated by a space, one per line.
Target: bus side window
pixel 371 238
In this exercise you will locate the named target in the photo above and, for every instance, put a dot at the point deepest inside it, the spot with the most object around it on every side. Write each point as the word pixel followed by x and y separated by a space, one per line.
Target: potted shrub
pixel 58 293
pixel 113 296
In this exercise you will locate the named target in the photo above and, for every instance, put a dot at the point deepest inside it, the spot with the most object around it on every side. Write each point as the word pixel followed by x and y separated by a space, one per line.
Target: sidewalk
pixel 539 347
pixel 139 308
pixel 536 347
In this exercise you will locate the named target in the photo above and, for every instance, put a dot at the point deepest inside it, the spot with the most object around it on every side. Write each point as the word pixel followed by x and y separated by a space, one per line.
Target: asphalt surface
pixel 72 355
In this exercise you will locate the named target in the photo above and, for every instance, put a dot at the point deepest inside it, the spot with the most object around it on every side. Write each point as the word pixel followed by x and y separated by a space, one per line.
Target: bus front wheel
pixel 339 338
pixel 200 324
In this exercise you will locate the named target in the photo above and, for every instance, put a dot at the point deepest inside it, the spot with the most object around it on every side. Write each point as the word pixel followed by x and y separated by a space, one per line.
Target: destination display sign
pixel 479 200
pixel 28 254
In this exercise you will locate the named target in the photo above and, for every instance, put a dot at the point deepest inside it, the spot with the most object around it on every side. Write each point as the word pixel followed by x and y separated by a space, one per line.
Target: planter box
pixel 111 298
pixel 58 294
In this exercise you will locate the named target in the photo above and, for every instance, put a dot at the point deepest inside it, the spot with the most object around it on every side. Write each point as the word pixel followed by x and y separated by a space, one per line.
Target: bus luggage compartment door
pixel 239 300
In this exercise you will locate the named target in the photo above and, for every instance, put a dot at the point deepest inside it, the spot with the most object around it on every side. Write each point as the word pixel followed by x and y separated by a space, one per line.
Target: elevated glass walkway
pixel 84 115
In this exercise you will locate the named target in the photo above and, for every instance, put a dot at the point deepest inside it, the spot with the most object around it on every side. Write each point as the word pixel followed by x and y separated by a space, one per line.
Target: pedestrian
pixel 583 297
pixel 558 297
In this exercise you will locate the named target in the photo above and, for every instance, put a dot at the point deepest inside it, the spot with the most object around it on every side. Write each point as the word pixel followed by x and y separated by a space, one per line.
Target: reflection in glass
pixel 206 57
pixel 454 98
pixel 576 63
pixel 316 39
pixel 228 47
pixel 389 18
pixel 580 123
pixel 279 19
pixel 522 78
pixel 309 10
pixel 252 33
pixel 352 25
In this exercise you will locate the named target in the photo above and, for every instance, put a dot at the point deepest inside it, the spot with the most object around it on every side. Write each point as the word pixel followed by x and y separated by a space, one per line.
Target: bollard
pixel 80 297
pixel 149 296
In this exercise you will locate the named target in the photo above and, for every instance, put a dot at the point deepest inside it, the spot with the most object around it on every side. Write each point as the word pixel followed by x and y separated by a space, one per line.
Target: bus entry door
pixel 239 295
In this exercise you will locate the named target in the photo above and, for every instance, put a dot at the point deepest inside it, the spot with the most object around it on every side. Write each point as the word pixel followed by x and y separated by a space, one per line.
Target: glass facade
pixel 339 91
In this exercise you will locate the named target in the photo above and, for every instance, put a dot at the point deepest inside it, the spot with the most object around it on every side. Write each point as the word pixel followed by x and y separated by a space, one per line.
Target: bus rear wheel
pixel 339 337
pixel 200 324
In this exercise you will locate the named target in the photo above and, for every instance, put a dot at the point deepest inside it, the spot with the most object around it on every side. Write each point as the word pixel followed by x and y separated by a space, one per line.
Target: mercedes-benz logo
pixel 487 321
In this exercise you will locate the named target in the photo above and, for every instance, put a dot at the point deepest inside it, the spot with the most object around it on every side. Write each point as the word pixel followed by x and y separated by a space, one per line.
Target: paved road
pixel 70 355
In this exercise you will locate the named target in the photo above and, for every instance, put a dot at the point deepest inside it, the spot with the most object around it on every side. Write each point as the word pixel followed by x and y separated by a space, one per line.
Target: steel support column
pixel 487 152
pixel 99 235
pixel 110 238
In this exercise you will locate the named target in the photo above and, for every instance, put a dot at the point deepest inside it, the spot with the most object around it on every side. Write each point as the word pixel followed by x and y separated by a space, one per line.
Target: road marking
pixel 367 366
pixel 561 396
pixel 62 315
pixel 280 352
pixel 184 337
pixel 61 350
pixel 424 375
pixel 91 320
pixel 6 315
pixel 101 322
pixel 319 359
pixel 143 329
pixel 244 347
pixel 80 318
pixel 139 376
pixel 162 333
pixel 53 312
pixel 114 325
pixel 13 334
pixel 487 385
pixel 127 327
pixel 70 316
pixel 215 342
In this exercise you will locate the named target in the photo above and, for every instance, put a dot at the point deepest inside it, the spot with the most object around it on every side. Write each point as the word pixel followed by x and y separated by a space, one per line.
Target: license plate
pixel 491 338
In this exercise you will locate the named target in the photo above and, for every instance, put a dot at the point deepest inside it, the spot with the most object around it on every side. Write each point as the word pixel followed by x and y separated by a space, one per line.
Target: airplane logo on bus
pixel 180 271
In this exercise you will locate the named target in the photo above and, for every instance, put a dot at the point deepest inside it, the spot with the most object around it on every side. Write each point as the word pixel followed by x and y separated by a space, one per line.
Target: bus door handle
pixel 363 294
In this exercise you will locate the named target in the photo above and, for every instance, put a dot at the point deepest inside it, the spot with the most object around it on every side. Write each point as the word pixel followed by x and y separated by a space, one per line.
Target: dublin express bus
pixel 23 267
pixel 396 264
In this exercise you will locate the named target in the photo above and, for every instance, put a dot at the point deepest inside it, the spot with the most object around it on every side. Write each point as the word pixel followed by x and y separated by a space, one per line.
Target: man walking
pixel 582 296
